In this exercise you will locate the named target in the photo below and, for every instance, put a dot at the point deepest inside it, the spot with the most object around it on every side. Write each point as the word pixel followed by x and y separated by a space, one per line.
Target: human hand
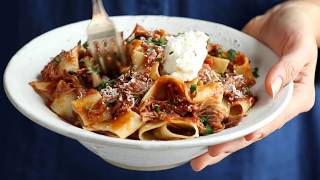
pixel 289 29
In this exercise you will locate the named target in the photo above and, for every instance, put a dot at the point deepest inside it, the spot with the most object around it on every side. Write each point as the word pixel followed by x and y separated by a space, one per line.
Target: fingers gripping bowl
pixel 135 154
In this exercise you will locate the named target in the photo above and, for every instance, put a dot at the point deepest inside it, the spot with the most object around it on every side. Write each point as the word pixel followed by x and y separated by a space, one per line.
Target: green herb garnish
pixel 85 45
pixel 209 129
pixel 193 88
pixel 87 62
pixel 255 72
pixel 161 42
pixel 204 121
pixel 97 69
pixel 171 52
pixel 231 54
pixel 157 108
pixel 149 40
pixel 102 85
pixel 91 66
pixel 112 82
pixel 158 59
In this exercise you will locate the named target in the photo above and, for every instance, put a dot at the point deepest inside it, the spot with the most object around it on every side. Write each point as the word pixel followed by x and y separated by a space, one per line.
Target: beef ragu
pixel 126 91
pixel 145 101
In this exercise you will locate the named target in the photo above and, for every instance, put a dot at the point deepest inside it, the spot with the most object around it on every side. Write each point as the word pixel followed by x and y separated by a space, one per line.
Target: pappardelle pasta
pixel 176 87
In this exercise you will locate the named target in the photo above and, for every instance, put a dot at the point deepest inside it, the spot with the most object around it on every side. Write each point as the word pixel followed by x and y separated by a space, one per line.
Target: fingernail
pixel 276 85
pixel 196 168
pixel 214 154
pixel 253 137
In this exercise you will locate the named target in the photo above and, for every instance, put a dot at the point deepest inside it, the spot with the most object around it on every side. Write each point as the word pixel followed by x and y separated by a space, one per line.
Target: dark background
pixel 29 151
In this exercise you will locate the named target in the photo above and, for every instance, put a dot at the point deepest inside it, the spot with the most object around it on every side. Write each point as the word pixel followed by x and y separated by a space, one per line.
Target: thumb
pixel 285 71
pixel 254 26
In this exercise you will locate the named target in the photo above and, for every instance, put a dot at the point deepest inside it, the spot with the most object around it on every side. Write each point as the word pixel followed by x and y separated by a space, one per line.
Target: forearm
pixel 312 7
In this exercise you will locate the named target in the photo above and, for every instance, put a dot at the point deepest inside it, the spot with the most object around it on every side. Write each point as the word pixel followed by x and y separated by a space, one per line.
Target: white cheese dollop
pixel 184 54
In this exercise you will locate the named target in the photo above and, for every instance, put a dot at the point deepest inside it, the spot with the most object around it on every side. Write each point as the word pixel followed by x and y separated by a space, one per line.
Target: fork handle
pixel 98 9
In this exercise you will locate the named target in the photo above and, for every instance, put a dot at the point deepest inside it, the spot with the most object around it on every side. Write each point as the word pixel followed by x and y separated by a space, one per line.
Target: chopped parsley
pixel 231 54
pixel 112 82
pixel 91 66
pixel 97 69
pixel 171 52
pixel 149 40
pixel 85 45
pixel 104 83
pixel 158 59
pixel 157 108
pixel 255 72
pixel 161 42
pixel 209 129
pixel 193 88
pixel 204 121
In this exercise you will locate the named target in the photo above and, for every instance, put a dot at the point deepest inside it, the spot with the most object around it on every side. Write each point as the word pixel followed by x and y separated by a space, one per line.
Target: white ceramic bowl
pixel 27 63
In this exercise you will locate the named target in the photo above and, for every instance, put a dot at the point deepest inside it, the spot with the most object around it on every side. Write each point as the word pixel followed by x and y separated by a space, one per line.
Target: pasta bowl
pixel 135 154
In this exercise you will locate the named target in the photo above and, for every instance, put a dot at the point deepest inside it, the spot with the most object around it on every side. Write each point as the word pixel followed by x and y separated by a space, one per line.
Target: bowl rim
pixel 91 137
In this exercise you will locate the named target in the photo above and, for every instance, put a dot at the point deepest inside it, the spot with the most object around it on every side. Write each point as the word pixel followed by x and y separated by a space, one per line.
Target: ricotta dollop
pixel 184 54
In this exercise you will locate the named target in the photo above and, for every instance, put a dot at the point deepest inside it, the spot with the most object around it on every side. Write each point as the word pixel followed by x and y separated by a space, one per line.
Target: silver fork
pixel 104 40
